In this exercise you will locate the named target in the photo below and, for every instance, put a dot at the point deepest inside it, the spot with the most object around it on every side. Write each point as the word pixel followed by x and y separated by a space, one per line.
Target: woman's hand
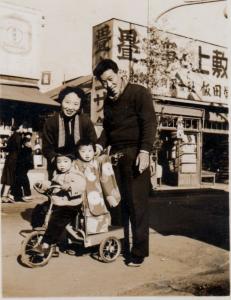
pixel 66 187
pixel 98 150
pixel 58 201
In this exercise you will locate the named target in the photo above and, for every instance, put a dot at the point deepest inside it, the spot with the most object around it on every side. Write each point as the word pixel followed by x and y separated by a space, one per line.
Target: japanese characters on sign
pixel 102 42
pixel 170 65
pixel 122 42
pixel 97 99
pixel 187 69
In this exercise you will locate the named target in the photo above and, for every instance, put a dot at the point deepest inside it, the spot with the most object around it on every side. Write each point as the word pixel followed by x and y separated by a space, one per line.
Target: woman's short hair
pixel 104 65
pixel 71 89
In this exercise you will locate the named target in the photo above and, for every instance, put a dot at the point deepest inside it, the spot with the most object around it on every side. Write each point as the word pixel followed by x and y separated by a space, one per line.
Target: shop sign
pixel 187 69
pixel 19 41
pixel 124 43
pixel 98 95
pixel 170 65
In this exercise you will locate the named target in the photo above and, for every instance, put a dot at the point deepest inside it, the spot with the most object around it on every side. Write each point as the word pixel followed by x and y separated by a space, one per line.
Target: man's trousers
pixel 134 188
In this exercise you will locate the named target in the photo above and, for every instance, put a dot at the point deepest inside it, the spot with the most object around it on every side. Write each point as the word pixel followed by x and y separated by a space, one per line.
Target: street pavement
pixel 189 254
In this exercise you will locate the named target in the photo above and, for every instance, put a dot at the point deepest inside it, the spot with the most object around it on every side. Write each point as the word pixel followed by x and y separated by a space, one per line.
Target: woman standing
pixel 13 148
pixel 64 129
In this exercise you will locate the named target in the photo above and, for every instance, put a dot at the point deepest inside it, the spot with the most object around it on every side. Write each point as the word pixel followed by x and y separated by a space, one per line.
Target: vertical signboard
pixel 122 42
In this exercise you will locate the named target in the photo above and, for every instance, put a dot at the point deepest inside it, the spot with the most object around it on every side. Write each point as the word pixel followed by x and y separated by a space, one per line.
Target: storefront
pixel 20 98
pixel 189 83
pixel 215 151
pixel 23 104
pixel 179 153
pixel 193 146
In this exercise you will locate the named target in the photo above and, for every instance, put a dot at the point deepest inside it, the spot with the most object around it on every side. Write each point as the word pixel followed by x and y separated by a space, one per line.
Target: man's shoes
pixel 55 251
pixel 135 261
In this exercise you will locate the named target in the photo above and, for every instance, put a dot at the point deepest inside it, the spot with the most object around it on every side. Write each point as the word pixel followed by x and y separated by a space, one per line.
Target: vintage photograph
pixel 114 139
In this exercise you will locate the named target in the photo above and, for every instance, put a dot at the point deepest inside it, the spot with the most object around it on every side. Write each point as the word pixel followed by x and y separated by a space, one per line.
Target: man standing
pixel 129 127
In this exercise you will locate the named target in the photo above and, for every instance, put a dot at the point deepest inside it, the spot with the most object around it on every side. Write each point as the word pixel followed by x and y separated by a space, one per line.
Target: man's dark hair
pixel 104 65
pixel 72 89
pixel 85 142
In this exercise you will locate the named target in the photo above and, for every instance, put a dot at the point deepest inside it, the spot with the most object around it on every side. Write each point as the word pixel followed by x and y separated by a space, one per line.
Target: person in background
pixel 129 127
pixel 64 129
pixel 13 149
pixel 21 187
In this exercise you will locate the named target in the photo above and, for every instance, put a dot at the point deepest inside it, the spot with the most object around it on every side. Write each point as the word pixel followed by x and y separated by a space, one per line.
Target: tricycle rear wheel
pixel 109 249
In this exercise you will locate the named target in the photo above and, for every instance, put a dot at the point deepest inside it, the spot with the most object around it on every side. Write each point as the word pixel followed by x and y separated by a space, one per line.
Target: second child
pixel 100 185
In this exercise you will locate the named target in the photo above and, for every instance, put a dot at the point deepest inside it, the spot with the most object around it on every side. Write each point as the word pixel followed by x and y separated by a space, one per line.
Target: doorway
pixel 215 155
pixel 180 158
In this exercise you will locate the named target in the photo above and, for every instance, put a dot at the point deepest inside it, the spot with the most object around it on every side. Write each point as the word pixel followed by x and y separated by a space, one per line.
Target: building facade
pixel 188 79
pixel 20 98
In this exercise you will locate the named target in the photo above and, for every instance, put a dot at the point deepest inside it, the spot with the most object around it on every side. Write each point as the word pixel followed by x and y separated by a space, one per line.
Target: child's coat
pixel 100 185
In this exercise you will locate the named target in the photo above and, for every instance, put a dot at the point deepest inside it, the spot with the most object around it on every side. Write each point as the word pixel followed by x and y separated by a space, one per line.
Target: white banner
pixel 19 41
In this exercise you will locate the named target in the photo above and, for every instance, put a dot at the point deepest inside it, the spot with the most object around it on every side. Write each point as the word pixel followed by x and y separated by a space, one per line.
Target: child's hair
pixel 63 152
pixel 84 142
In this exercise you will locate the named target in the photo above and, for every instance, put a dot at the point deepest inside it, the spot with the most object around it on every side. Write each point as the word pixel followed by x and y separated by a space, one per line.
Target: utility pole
pixel 187 3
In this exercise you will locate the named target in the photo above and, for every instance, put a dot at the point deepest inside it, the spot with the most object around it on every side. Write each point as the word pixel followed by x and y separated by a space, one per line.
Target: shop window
pixel 171 122
pixel 195 124
pixel 46 78
pixel 187 123
pixel 216 125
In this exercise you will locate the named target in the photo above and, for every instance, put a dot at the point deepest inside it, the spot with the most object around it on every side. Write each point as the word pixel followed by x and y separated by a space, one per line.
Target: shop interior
pixel 177 159
pixel 15 112
pixel 215 151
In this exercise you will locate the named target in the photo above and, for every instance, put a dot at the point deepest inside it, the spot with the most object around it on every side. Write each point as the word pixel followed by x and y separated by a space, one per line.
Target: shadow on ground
pixel 201 215
pixel 26 214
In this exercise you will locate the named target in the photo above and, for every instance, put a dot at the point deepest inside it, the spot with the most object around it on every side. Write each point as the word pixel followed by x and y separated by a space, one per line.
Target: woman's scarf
pixel 61 140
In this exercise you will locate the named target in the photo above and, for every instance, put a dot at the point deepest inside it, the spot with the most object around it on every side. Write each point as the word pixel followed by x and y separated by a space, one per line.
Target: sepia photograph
pixel 114 139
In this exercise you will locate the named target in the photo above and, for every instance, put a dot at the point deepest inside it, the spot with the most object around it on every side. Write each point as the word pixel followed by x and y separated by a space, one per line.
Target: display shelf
pixel 5 132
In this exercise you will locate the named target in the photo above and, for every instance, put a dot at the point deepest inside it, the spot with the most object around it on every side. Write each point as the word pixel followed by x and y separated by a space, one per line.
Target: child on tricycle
pixel 67 196
pixel 77 188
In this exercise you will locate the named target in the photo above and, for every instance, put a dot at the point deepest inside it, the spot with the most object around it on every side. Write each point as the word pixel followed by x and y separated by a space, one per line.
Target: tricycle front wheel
pixel 30 257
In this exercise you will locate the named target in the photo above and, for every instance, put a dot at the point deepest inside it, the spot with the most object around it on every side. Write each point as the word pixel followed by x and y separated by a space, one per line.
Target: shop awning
pixel 193 102
pixel 85 82
pixel 178 110
pixel 25 94
pixel 218 117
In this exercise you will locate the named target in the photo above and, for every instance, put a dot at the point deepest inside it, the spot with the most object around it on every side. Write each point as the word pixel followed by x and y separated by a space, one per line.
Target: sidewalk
pixel 204 186
pixel 187 257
